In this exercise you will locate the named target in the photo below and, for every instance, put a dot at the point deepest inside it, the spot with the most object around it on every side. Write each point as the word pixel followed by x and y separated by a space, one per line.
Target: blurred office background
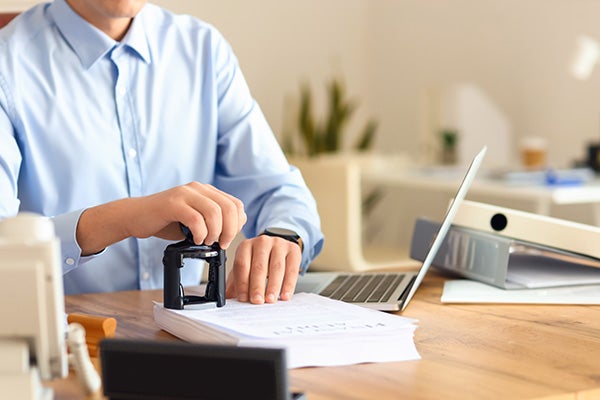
pixel 393 53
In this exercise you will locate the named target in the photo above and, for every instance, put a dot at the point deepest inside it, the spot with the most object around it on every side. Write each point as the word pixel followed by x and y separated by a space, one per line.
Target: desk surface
pixel 557 201
pixel 449 181
pixel 468 351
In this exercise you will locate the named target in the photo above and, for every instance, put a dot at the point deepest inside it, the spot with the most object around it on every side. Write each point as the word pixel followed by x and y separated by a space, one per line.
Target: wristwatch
pixel 286 234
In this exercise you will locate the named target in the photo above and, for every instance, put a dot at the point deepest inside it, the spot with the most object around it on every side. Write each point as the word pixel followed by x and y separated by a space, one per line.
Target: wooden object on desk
pixel 468 351
pixel 96 327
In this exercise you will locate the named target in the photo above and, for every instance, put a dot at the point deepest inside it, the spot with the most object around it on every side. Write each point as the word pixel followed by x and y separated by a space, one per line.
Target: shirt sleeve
pixel 10 163
pixel 10 159
pixel 252 166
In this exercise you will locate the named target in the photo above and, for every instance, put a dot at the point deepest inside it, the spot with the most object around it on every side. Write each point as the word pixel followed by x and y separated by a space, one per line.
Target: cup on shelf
pixel 534 151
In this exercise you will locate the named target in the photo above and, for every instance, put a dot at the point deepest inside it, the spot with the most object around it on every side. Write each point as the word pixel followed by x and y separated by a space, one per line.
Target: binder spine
pixel 473 254
pixel 520 225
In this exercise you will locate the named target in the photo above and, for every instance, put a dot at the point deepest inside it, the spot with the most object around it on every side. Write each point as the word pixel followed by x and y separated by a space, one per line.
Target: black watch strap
pixel 283 233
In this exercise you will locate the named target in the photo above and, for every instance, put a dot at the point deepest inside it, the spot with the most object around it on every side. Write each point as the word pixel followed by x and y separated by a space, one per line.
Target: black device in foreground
pixel 173 260
pixel 153 370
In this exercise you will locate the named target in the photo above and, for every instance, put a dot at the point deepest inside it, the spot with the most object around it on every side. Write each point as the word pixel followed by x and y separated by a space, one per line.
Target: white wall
pixel 391 51
pixel 517 51
pixel 15 5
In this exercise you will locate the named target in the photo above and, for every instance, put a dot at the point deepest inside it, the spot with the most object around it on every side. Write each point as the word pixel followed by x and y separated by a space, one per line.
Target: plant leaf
pixel 365 141
pixel 371 200
pixel 306 120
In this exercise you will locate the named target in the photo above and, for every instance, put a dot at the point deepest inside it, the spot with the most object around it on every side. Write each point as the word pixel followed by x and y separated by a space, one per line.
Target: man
pixel 121 120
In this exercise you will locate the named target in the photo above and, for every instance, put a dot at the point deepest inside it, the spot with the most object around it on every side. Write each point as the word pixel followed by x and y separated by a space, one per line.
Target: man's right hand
pixel 211 215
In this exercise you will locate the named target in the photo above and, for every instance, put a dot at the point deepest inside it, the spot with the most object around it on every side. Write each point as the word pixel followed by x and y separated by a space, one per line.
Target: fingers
pixel 265 269
pixel 275 275
pixel 241 271
pixel 229 217
pixel 292 269
pixel 259 272
pixel 210 214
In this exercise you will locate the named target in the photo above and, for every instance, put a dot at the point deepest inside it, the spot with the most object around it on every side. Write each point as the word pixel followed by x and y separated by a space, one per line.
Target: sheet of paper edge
pixel 468 291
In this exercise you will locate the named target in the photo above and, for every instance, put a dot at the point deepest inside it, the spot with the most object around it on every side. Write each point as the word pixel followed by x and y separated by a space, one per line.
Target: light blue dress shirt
pixel 85 120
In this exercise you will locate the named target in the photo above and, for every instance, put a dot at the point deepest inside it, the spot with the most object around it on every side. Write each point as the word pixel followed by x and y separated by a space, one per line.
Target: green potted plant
pixel 326 136
pixel 449 138
pixel 331 162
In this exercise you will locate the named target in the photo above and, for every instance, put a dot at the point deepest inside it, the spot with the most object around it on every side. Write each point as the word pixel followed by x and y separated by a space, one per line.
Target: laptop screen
pixel 439 239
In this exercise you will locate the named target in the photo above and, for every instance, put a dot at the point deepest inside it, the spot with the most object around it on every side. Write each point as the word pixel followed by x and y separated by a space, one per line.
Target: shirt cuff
pixel 65 226
pixel 309 252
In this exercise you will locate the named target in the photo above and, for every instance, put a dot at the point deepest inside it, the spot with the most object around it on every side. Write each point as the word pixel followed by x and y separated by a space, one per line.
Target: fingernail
pixel 224 245
pixel 286 296
pixel 270 298
pixel 243 297
pixel 257 299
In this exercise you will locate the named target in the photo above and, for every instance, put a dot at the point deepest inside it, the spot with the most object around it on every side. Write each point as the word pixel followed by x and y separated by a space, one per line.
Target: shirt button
pixel 69 261
pixel 145 276
pixel 132 153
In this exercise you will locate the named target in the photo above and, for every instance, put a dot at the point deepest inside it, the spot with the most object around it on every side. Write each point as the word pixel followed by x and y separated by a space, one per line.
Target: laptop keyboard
pixel 363 288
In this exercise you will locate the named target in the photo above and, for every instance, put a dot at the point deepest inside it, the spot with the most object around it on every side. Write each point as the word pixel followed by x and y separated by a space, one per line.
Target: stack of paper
pixel 314 330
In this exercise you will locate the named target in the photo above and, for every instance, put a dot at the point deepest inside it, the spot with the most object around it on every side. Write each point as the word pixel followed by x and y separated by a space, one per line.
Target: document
pixel 539 270
pixel 468 291
pixel 314 330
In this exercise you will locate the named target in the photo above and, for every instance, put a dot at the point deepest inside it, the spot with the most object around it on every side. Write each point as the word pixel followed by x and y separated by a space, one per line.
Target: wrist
pixel 102 225
pixel 286 234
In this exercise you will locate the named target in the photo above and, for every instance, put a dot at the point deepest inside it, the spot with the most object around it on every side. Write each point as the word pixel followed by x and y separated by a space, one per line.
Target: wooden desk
pixel 468 351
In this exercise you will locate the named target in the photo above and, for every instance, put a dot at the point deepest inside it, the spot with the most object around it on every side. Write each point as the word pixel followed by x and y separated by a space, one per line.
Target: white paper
pixel 467 291
pixel 315 330
pixel 542 274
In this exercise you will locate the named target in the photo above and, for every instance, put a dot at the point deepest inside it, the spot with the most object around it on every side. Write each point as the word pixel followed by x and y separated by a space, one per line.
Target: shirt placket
pixel 126 118
pixel 130 147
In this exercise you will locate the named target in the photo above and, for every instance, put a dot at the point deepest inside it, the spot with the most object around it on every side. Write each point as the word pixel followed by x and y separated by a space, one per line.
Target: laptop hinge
pixel 406 290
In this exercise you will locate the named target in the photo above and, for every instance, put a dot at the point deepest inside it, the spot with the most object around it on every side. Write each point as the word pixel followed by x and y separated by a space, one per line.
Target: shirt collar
pixel 90 43
pixel 136 37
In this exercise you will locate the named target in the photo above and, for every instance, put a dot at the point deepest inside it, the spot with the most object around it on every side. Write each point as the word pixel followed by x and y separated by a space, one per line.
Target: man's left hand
pixel 265 269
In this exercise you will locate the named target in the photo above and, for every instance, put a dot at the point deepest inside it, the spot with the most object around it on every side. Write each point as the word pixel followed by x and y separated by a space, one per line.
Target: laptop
pixel 387 291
